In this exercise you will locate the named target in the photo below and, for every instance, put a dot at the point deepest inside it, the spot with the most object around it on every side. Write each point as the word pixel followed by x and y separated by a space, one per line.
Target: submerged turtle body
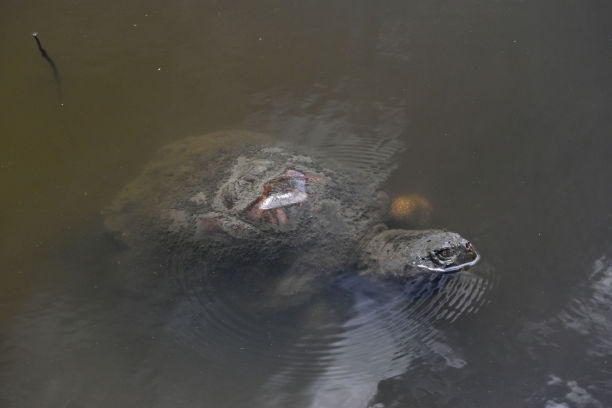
pixel 267 208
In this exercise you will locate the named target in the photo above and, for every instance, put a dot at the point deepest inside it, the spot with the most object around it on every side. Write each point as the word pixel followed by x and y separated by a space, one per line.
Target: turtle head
pixel 442 251
pixel 404 253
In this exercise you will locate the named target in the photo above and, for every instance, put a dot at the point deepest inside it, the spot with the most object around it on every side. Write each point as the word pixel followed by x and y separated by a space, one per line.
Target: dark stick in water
pixel 46 56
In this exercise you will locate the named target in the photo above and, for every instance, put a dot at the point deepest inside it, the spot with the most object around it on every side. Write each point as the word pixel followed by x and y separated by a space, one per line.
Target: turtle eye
pixel 445 253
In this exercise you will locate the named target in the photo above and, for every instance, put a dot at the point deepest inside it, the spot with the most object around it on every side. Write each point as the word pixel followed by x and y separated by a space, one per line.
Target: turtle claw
pixel 281 216
pixel 271 219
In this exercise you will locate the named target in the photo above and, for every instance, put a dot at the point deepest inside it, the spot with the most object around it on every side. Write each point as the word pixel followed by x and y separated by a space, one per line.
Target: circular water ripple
pixel 355 331
pixel 393 326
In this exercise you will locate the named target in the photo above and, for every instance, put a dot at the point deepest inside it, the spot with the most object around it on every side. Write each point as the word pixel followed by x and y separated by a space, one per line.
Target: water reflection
pixel 386 330
pixel 333 350
pixel 584 325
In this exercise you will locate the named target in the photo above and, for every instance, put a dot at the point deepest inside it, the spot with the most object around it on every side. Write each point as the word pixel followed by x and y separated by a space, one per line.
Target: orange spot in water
pixel 414 207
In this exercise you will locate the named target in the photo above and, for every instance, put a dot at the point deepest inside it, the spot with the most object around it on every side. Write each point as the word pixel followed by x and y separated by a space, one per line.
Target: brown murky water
pixel 504 109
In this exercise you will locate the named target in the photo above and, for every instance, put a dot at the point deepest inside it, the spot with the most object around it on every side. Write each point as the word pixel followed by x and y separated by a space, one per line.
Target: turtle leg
pixel 209 225
pixel 269 217
pixel 256 212
pixel 281 216
pixel 313 179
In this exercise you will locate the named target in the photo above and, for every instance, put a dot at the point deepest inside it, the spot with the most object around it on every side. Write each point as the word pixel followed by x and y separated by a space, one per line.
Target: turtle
pixel 232 203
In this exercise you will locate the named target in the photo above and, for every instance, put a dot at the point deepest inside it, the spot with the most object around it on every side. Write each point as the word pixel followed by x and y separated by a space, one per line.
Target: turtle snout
pixel 470 248
pixel 469 255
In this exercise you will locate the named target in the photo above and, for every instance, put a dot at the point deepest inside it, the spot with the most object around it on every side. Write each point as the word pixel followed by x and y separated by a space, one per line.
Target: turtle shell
pixel 232 186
